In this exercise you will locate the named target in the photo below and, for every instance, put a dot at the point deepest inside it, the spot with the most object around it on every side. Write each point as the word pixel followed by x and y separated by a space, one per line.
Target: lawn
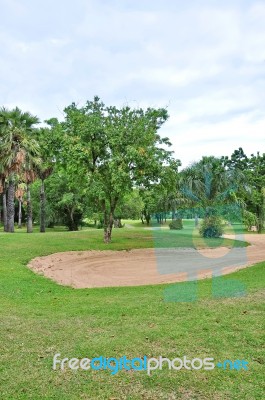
pixel 40 318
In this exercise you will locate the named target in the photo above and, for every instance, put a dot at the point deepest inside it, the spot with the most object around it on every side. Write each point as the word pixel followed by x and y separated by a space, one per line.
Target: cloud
pixel 204 60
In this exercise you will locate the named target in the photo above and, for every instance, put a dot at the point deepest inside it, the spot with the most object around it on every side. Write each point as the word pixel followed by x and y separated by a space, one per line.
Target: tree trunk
pixel 108 224
pixel 196 220
pixel 4 210
pixel 42 207
pixel 29 210
pixel 10 206
pixel 19 212
pixel 260 218
pixel 108 219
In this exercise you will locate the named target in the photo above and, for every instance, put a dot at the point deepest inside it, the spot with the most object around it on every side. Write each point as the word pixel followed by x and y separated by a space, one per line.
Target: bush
pixel 249 219
pixel 211 227
pixel 176 224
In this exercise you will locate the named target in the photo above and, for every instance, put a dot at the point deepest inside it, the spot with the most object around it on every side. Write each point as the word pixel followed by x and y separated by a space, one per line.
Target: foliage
pixel 19 155
pixel 72 212
pixel 116 149
pixel 208 184
pixel 249 219
pixel 66 204
pixel 130 206
pixel 176 224
pixel 253 169
pixel 211 227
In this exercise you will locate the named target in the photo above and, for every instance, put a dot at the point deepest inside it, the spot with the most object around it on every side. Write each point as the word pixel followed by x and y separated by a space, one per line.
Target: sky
pixel 202 59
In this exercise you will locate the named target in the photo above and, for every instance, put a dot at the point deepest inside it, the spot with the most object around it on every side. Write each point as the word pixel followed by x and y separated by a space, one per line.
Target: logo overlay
pixel 114 365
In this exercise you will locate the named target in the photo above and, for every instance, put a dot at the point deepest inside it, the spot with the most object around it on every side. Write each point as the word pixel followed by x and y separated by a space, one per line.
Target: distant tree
pixel 129 207
pixel 207 184
pixel 45 169
pixel 253 169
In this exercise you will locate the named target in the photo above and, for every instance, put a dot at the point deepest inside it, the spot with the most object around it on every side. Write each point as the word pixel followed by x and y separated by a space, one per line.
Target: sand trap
pixel 88 269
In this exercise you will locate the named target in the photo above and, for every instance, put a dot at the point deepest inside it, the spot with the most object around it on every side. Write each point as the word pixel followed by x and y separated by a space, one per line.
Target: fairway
pixel 132 200
pixel 40 318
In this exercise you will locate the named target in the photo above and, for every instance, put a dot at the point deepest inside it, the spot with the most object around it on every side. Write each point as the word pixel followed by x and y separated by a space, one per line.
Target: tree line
pixel 105 163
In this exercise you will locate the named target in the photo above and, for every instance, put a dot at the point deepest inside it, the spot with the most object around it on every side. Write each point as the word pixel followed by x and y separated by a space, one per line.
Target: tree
pixel 4 122
pixel 209 185
pixel 116 149
pixel 66 202
pixel 129 207
pixel 18 153
pixel 45 169
pixel 3 192
pixel 43 173
pixel 253 169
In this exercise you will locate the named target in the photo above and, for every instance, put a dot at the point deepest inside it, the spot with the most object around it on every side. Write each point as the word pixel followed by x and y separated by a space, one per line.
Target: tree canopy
pixel 105 163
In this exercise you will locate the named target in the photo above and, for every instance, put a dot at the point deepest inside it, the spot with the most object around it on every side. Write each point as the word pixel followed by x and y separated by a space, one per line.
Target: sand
pixel 91 269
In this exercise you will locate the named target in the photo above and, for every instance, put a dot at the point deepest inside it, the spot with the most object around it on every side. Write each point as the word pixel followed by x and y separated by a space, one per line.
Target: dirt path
pixel 88 269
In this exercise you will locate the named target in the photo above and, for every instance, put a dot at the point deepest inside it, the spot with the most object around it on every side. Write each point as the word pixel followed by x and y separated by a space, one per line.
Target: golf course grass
pixel 40 318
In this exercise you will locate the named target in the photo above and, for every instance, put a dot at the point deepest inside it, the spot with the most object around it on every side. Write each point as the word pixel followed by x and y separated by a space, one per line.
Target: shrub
pixel 100 225
pixel 249 219
pixel 211 227
pixel 176 224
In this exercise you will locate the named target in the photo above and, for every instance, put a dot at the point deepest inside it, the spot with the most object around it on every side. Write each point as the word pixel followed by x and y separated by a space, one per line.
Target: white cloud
pixel 204 60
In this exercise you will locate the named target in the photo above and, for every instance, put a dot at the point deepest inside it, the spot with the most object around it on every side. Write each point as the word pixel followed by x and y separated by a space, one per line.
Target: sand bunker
pixel 88 269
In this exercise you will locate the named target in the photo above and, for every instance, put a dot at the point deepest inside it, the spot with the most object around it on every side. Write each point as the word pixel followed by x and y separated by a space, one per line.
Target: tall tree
pixel 116 148
pixel 209 186
pixel 3 191
pixel 45 169
pixel 4 123
pixel 18 148
pixel 43 172
pixel 253 168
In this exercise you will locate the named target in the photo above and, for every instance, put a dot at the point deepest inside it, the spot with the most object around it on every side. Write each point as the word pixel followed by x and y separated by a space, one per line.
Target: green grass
pixel 40 318
pixel 162 236
pixel 235 228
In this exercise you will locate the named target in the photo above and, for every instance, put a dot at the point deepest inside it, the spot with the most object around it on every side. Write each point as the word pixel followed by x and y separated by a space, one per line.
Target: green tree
pixel 18 154
pixel 207 184
pixel 66 202
pixel 45 169
pixel 4 123
pixel 129 207
pixel 253 169
pixel 116 149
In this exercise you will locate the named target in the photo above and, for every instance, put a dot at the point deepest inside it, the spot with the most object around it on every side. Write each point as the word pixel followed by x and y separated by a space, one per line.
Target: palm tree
pixel 3 192
pixel 4 114
pixel 18 148
pixel 208 184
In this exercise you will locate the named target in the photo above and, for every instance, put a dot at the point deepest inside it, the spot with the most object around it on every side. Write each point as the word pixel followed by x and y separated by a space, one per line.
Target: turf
pixel 40 318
